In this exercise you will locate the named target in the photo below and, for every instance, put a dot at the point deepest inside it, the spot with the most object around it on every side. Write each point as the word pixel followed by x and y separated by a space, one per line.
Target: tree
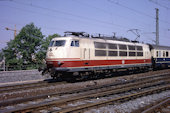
pixel 23 50
pixel 1 55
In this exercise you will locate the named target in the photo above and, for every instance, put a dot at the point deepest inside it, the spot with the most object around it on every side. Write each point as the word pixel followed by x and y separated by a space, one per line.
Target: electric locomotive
pixel 78 55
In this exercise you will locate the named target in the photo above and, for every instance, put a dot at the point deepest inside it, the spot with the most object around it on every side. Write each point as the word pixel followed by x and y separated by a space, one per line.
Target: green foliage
pixel 21 53
pixel 1 55
pixel 28 49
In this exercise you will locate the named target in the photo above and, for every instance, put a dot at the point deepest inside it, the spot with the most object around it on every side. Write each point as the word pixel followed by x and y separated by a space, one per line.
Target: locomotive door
pixel 86 52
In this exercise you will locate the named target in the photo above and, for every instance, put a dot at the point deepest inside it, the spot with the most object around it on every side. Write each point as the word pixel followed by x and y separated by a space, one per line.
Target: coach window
pixel 163 53
pixel 157 54
pixel 167 54
pixel 75 43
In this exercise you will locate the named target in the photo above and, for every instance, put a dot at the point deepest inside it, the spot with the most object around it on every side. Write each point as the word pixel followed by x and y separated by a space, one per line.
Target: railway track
pixel 81 108
pixel 26 86
pixel 162 106
pixel 8 102
pixel 142 86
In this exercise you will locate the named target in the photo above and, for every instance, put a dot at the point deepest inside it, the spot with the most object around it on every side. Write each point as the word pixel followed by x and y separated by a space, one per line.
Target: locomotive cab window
pixel 75 43
pixel 57 43
pixel 51 43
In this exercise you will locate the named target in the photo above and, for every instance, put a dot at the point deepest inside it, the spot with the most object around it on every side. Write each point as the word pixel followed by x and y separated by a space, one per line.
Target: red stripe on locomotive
pixel 84 63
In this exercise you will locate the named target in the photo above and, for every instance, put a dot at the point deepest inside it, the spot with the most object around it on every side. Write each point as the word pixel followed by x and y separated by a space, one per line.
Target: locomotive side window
pixel 59 43
pixel 112 53
pixel 100 45
pixel 100 53
pixel 131 47
pixel 139 53
pixel 75 43
pixel 112 46
pixel 122 53
pixel 139 47
pixel 123 47
pixel 132 53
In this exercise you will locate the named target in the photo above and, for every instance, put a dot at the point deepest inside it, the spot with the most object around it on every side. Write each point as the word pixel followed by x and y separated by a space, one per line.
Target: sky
pixel 91 16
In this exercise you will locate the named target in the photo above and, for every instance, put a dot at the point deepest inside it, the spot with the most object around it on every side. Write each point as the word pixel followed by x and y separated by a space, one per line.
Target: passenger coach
pixel 160 56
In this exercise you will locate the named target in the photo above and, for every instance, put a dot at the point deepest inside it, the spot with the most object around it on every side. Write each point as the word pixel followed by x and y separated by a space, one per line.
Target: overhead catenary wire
pixel 106 26
pixel 67 13
pixel 157 3
pixel 74 15
pixel 105 11
pixel 136 11
pixel 83 17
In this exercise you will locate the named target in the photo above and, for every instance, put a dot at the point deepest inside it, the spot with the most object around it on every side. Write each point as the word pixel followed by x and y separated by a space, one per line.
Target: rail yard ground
pixel 20 77
pixel 142 92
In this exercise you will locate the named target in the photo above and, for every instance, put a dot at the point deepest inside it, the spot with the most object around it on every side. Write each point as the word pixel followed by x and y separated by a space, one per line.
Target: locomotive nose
pixel 54 63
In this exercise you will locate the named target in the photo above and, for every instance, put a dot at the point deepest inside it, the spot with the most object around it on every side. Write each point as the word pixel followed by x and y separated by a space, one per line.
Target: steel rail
pixel 24 86
pixel 27 86
pixel 125 84
pixel 156 108
pixel 84 96
pixel 81 108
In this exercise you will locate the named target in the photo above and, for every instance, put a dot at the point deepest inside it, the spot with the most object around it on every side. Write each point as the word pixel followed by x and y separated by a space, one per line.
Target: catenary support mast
pixel 157 26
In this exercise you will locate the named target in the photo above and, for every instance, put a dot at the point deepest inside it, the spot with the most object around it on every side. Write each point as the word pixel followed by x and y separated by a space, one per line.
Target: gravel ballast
pixel 20 76
pixel 130 106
